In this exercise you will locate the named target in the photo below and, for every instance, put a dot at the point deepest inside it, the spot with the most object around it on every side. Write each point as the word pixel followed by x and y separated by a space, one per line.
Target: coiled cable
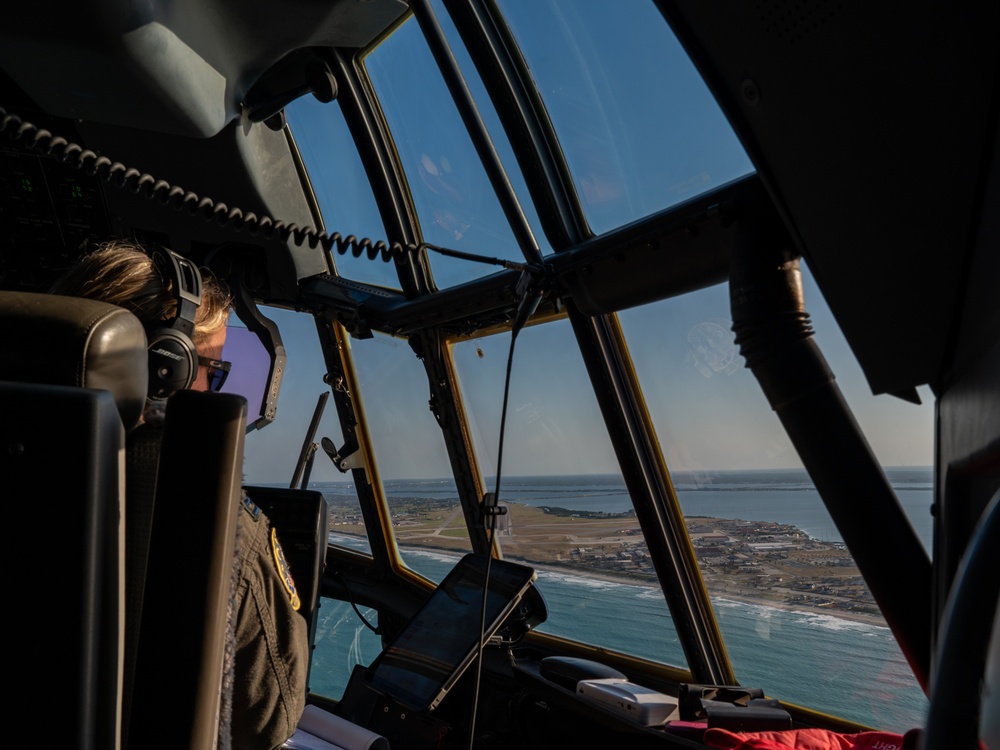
pixel 127 178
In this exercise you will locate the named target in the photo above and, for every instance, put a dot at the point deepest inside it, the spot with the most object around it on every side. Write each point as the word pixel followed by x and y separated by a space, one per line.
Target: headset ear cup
pixel 173 359
pixel 173 363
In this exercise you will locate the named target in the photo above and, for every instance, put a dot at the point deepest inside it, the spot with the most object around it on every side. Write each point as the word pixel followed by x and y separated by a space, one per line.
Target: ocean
pixel 841 667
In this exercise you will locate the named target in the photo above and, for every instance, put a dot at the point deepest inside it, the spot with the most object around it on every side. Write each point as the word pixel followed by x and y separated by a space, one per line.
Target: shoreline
pixel 858 617
pixel 716 595
pixel 840 614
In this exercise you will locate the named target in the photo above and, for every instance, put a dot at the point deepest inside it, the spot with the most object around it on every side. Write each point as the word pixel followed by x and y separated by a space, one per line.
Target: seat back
pixel 73 382
pixel 302 519
pixel 72 378
pixel 185 633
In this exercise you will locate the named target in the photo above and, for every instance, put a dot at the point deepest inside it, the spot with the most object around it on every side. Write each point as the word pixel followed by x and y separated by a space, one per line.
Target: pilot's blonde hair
pixel 122 273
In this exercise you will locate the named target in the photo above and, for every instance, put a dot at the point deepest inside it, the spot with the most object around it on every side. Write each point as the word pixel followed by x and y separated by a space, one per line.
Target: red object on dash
pixel 802 739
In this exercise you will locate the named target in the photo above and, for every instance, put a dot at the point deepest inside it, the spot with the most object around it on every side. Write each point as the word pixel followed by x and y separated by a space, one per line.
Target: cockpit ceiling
pixel 172 67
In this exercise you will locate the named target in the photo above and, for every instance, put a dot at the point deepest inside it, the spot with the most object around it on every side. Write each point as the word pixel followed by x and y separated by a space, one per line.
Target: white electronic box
pixel 636 703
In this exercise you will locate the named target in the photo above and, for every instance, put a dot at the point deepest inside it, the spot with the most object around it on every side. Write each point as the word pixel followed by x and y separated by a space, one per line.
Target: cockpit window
pixel 636 123
pixel 454 199
pixel 639 132
pixel 271 456
pixel 427 519
pixel 340 184
pixel 569 512
pixel 787 595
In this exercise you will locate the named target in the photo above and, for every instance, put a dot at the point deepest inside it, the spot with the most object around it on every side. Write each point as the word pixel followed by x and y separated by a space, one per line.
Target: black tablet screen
pixel 430 653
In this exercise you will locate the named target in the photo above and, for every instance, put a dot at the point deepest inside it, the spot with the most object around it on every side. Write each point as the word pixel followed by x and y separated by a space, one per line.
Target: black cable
pixel 127 178
pixel 362 617
pixel 350 598
pixel 489 515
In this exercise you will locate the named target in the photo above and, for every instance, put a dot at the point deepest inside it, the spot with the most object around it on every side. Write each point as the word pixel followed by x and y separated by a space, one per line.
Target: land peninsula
pixel 770 564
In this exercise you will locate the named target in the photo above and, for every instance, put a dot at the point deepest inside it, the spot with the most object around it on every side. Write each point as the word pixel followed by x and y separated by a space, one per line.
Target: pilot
pixel 271 639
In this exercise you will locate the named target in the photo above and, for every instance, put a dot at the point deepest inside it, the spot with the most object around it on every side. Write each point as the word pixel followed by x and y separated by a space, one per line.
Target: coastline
pixel 754 563
pixel 861 618
pixel 719 595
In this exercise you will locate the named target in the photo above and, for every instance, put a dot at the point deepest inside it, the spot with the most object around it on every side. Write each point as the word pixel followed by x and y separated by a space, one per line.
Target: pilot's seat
pixel 73 381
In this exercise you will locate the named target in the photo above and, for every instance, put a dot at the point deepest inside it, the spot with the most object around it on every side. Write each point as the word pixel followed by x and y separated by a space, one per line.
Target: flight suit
pixel 271 659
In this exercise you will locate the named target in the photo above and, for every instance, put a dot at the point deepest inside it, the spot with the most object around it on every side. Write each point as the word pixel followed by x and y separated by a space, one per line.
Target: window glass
pixel 272 454
pixel 453 197
pixel 428 524
pixel 427 519
pixel 788 597
pixel 569 514
pixel 636 123
pixel 341 186
pixel 342 641
pixel 492 122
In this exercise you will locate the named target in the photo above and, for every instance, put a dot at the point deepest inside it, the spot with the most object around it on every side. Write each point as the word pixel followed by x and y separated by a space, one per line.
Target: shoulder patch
pixel 283 572
pixel 250 507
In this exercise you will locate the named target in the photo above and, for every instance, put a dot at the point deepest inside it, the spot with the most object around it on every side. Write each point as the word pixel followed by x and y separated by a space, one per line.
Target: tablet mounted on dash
pixel 432 651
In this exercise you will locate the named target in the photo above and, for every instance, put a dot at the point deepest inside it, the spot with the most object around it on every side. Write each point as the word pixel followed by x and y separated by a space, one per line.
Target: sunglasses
pixel 218 371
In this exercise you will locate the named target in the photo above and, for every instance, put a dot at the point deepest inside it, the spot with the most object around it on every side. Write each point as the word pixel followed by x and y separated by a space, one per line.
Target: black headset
pixel 173 359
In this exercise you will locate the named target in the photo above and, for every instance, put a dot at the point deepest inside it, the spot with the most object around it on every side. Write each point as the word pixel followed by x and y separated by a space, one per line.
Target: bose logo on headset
pixel 173 359
pixel 165 353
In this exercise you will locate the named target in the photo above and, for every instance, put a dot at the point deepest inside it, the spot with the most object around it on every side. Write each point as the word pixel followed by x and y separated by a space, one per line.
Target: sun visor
pixel 254 348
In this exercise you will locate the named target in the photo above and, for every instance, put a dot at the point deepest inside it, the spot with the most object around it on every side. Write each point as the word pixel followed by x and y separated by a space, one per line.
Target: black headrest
pixel 55 340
